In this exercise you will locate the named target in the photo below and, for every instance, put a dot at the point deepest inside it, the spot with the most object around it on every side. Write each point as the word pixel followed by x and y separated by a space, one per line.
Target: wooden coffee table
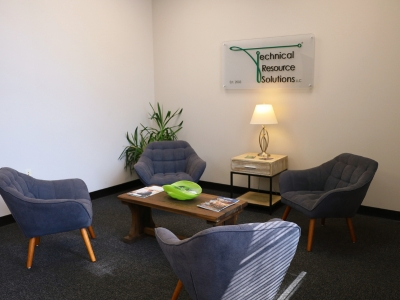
pixel 142 220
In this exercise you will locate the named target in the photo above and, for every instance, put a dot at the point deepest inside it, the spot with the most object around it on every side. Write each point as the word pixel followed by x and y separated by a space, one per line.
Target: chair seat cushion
pixel 306 199
pixel 168 178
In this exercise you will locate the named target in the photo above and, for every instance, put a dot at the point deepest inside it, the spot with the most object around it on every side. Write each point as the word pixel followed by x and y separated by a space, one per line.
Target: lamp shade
pixel 263 114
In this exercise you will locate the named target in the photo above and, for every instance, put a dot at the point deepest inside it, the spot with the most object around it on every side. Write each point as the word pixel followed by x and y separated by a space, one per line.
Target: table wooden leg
pixel 231 221
pixel 231 184
pixel 141 218
pixel 270 195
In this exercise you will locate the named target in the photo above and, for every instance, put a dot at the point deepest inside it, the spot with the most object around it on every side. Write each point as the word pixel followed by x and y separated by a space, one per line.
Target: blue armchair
pixel 334 189
pixel 247 261
pixel 42 207
pixel 167 162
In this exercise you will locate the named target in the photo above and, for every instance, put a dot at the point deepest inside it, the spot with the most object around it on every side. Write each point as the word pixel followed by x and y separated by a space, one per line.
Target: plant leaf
pixel 139 140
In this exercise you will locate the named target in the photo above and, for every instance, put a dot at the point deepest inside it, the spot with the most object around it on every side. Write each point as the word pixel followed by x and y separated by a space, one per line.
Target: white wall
pixel 353 106
pixel 74 77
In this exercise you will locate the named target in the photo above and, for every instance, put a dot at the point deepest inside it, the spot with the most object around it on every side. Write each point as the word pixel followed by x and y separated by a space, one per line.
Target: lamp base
pixel 263 139
pixel 264 154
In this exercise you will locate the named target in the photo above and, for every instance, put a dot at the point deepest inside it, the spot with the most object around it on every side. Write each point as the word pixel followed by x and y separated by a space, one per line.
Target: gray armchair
pixel 167 162
pixel 334 189
pixel 247 261
pixel 43 207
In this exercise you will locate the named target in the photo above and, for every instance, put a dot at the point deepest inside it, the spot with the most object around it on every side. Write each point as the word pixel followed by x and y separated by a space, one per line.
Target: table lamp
pixel 263 114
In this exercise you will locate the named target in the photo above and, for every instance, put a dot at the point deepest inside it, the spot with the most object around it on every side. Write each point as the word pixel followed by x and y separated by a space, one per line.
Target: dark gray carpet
pixel 336 269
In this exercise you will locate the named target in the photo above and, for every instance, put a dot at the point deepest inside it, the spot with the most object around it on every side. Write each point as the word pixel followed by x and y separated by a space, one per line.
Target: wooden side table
pixel 250 164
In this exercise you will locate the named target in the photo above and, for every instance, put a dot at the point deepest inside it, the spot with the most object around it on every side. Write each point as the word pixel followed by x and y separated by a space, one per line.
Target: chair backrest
pixel 247 261
pixel 16 183
pixel 348 169
pixel 168 156
pixel 21 185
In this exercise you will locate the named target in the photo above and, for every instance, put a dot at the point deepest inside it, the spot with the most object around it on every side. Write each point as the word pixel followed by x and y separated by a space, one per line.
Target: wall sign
pixel 285 62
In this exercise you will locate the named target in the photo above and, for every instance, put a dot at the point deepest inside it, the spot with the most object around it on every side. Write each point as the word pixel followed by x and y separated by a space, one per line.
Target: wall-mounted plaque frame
pixel 285 62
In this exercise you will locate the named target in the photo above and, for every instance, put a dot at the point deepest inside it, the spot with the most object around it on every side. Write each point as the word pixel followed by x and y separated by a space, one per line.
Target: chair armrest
pixel 71 189
pixel 144 169
pixel 165 236
pixel 301 180
pixel 195 167
pixel 341 202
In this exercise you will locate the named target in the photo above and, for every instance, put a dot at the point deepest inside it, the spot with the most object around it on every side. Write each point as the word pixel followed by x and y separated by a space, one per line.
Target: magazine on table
pixel 146 191
pixel 218 203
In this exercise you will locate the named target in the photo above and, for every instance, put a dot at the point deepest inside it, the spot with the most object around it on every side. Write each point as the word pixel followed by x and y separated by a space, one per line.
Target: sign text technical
pixel 279 62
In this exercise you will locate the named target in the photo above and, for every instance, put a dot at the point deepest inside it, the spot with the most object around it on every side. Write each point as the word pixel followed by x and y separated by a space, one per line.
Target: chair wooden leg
pixel 31 251
pixel 310 234
pixel 351 229
pixel 87 243
pixel 286 213
pixel 37 241
pixel 177 291
pixel 91 232
pixel 322 221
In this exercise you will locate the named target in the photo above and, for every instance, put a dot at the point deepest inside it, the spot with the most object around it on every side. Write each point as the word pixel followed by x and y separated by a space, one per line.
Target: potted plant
pixel 141 138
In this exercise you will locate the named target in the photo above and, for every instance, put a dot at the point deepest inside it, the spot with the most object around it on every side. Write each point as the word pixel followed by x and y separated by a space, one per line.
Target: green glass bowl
pixel 183 190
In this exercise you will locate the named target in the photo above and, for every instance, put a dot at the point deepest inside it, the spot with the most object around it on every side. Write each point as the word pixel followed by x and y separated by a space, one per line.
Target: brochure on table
pixel 218 203
pixel 146 191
